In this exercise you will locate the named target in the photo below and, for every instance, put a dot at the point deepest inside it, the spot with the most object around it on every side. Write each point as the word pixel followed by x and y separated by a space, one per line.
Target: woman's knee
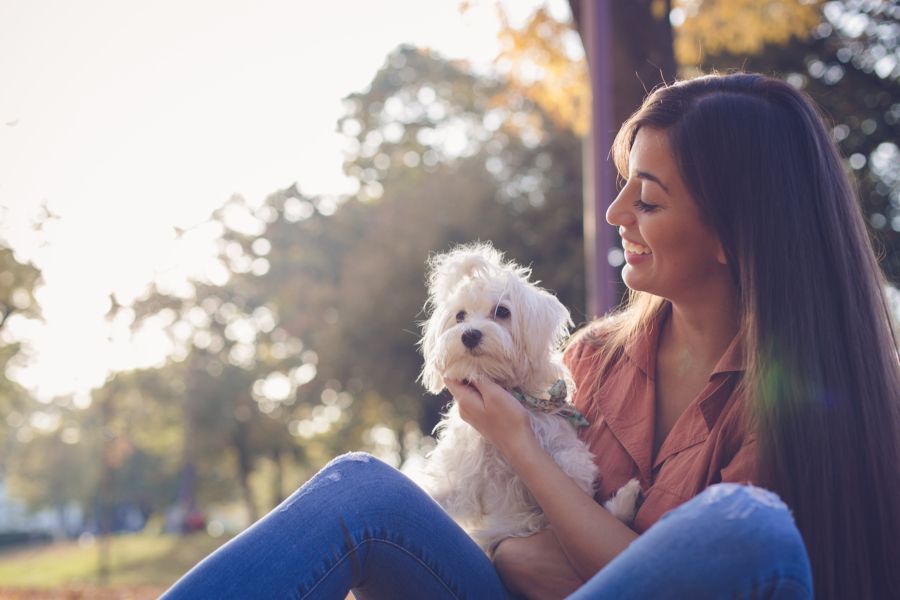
pixel 359 479
pixel 753 521
pixel 358 464
pixel 737 502
pixel 754 511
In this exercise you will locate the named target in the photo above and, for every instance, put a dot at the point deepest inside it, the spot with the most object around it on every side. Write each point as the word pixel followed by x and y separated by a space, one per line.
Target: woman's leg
pixel 357 524
pixel 730 541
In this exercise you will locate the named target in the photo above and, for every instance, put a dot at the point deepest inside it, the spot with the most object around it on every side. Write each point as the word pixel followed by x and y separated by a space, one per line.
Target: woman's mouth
pixel 635 253
pixel 635 248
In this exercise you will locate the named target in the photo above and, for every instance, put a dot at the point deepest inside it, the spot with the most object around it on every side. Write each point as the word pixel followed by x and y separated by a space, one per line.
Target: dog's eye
pixel 461 316
pixel 501 312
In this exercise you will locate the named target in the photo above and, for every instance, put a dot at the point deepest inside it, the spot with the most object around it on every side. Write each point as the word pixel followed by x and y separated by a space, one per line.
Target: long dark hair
pixel 823 373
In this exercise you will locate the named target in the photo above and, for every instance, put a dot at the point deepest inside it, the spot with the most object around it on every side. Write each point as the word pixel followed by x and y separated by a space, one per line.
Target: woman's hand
pixel 536 567
pixel 494 412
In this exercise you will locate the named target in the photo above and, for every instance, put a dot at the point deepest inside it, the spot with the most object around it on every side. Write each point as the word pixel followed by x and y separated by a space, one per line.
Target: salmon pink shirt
pixel 706 445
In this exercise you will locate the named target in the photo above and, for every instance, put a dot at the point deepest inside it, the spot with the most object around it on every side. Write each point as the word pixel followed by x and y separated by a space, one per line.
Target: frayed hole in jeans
pixel 753 498
pixel 313 484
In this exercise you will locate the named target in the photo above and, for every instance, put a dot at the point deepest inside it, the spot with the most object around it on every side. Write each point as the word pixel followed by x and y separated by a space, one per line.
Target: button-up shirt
pixel 707 444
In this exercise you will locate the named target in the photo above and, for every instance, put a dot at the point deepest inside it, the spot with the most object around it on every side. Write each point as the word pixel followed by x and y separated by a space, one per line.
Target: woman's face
pixel 669 251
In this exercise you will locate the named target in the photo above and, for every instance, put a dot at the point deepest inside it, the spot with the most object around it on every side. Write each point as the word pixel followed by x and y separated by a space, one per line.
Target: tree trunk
pixel 245 468
pixel 642 52
pixel 641 49
pixel 277 478
pixel 187 482
pixel 629 51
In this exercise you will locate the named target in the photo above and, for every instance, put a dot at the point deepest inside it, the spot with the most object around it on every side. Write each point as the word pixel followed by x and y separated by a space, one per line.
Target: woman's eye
pixel 501 312
pixel 643 206
pixel 461 316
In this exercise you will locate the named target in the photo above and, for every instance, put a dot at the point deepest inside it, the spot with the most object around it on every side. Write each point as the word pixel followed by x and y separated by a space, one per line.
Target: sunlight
pixel 132 149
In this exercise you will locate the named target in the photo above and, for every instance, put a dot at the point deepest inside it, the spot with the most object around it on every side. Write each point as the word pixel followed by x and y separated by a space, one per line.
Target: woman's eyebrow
pixel 653 178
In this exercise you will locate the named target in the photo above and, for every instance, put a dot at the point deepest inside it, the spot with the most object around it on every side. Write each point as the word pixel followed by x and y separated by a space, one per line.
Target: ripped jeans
pixel 361 525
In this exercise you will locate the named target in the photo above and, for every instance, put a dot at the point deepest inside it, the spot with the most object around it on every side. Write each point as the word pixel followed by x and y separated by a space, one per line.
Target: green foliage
pixel 309 349
pixel 18 281
pixel 17 284
pixel 119 450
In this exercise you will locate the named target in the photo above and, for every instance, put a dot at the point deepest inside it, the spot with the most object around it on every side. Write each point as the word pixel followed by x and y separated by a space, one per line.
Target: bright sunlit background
pixel 132 120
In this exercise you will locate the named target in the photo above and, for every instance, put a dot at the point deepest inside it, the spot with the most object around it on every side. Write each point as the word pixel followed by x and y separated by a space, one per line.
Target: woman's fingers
pixel 464 392
pixel 496 398
pixel 487 386
pixel 468 399
pixel 491 410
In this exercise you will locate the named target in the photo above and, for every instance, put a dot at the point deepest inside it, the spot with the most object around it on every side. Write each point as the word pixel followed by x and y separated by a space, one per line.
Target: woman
pixel 754 348
pixel 777 254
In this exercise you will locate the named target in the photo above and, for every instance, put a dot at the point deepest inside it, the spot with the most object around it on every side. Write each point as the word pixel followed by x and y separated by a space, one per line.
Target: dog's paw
pixel 623 505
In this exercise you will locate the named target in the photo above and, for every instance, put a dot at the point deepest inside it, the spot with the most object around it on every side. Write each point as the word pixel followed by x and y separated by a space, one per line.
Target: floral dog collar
pixel 555 405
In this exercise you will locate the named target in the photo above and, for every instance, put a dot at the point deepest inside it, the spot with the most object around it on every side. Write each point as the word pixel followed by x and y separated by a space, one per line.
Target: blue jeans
pixel 361 525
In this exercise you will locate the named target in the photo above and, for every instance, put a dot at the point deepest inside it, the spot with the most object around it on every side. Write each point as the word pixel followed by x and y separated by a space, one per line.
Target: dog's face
pixel 489 321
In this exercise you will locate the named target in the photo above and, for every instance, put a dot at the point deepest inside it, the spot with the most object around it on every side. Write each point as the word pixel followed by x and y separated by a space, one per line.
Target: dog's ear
pixel 446 271
pixel 542 325
pixel 430 376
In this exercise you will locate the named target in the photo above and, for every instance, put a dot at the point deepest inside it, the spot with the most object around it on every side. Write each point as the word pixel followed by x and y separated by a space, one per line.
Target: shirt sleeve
pixel 742 468
pixel 578 347
pixel 572 354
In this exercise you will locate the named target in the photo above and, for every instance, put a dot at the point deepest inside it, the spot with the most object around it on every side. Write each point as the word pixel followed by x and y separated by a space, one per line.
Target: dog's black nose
pixel 470 338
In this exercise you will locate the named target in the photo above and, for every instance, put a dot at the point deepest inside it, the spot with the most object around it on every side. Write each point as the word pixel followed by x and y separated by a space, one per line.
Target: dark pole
pixel 629 51
pixel 599 174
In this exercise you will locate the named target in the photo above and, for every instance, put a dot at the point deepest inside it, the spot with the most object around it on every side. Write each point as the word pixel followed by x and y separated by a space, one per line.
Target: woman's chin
pixel 632 280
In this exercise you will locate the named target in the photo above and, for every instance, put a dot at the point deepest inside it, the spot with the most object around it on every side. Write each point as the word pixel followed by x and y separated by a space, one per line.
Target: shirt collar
pixel 642 349
pixel 733 358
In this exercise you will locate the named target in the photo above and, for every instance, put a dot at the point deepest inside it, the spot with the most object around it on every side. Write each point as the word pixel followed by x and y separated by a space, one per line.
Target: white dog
pixel 488 321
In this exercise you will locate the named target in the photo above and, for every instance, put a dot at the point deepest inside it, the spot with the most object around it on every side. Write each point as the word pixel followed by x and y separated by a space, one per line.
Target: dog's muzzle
pixel 471 338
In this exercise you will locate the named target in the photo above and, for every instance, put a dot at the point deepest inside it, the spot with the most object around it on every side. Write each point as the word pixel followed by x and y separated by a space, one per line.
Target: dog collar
pixel 555 405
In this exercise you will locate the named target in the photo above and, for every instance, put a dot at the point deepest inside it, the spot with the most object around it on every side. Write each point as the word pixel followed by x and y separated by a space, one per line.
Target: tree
pixel 18 281
pixel 117 451
pixel 308 348
pixel 707 28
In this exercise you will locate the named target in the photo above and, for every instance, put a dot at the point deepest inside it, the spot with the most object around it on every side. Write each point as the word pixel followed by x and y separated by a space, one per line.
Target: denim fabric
pixel 360 524
pixel 730 541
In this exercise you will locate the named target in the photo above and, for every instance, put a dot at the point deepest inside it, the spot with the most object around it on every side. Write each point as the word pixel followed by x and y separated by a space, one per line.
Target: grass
pixel 136 560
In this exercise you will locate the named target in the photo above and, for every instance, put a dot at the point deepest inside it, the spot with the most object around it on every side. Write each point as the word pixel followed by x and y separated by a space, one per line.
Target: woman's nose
pixel 618 212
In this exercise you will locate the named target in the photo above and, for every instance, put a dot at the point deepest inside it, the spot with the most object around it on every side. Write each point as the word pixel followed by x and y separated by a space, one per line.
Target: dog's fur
pixel 465 473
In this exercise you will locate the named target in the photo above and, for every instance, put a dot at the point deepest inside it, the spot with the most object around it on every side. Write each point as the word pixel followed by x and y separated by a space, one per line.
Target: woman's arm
pixel 588 534
pixel 535 567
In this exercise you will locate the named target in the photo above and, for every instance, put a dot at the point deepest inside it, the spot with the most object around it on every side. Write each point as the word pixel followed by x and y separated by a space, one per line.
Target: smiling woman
pixel 758 245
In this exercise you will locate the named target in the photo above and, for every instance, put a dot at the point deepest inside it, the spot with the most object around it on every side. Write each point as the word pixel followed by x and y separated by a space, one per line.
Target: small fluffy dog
pixel 488 321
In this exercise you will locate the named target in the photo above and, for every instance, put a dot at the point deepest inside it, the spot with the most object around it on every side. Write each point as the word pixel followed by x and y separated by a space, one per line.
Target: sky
pixel 130 119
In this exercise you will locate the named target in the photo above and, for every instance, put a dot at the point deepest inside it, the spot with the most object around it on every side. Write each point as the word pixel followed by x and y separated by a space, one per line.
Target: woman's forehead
pixel 651 148
pixel 651 159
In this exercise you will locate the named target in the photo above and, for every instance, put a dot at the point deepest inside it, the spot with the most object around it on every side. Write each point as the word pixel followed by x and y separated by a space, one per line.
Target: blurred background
pixel 215 217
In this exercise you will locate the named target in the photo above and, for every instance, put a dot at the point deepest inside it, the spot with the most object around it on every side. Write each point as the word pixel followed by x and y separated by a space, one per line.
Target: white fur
pixel 465 473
